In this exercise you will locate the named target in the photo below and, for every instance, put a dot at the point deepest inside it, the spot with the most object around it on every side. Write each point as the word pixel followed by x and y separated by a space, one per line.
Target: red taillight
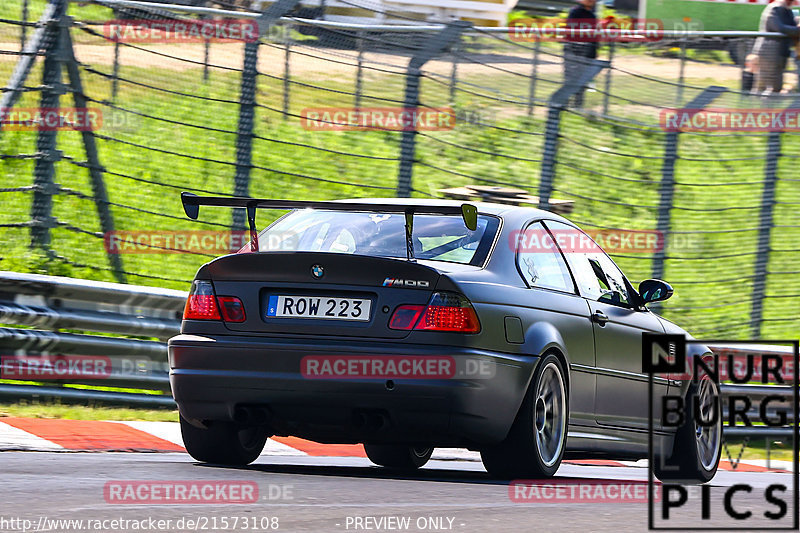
pixel 232 308
pixel 201 307
pixel 439 318
pixel 405 316
pixel 444 312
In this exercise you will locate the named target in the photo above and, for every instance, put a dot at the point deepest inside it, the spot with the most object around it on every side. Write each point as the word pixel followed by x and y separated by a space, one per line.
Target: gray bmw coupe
pixel 410 324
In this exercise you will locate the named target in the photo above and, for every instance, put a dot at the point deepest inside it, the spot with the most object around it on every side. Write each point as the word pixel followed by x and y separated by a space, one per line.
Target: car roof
pixel 501 210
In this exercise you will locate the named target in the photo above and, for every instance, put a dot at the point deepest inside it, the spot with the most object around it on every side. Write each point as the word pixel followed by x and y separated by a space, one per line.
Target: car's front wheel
pixel 224 443
pixel 535 444
pixel 697 446
pixel 398 456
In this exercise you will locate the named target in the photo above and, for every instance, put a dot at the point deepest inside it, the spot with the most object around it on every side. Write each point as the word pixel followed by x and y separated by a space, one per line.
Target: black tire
pixel 526 452
pixel 695 451
pixel 398 456
pixel 224 443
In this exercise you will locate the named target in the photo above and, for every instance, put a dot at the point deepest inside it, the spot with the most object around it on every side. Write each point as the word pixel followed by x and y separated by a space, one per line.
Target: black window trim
pixel 637 306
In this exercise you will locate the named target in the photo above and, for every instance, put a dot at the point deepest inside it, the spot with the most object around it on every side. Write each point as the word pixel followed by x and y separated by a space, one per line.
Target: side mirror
pixel 654 290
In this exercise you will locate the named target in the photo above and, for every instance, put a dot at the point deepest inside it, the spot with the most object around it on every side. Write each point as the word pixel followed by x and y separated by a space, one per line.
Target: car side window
pixel 540 262
pixel 597 276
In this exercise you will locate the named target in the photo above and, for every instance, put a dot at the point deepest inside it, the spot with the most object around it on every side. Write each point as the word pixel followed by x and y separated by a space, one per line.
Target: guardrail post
pixel 435 45
pixel 556 104
pixel 44 170
pixel 247 103
pixel 666 190
pixel 765 221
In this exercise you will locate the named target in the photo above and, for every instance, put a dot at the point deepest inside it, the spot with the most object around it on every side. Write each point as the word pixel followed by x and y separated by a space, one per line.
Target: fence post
pixel 25 64
pixel 247 102
pixel 359 69
pixel 44 170
pixel 115 72
pixel 206 57
pixel 765 221
pixel 681 75
pixel 666 190
pixel 556 104
pixel 435 45
pixel 454 74
pixel 534 74
pixel 24 35
pixel 90 147
pixel 286 71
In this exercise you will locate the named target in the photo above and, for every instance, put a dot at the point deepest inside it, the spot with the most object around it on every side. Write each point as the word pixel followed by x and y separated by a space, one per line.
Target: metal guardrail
pixel 45 305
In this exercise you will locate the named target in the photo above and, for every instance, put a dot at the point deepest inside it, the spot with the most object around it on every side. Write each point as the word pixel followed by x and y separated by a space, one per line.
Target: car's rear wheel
pixel 535 444
pixel 697 447
pixel 398 456
pixel 224 443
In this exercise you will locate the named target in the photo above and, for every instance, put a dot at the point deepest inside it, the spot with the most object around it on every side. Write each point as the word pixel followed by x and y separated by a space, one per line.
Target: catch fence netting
pixel 172 122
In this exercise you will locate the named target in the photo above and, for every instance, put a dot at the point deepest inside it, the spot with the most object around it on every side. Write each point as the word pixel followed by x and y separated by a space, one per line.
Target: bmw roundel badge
pixel 317 271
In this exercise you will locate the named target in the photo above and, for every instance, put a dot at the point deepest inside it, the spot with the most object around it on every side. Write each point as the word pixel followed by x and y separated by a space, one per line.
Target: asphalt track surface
pixel 331 493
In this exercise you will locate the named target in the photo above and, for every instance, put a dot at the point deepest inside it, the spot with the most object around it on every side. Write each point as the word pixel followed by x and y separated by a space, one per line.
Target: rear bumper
pixel 225 377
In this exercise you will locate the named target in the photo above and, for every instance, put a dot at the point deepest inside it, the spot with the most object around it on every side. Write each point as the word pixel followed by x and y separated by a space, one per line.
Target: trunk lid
pixel 319 284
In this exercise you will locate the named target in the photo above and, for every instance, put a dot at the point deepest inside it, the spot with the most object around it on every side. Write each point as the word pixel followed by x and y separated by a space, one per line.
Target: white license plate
pixel 285 306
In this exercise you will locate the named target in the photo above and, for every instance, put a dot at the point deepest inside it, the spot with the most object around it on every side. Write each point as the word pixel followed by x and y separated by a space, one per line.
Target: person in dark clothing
pixel 749 73
pixel 773 52
pixel 579 50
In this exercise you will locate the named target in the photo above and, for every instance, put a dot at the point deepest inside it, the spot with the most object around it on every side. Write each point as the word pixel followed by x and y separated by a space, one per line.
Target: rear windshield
pixel 436 237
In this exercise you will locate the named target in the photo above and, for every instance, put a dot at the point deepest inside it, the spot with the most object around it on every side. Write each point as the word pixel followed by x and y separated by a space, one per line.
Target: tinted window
pixel 542 265
pixel 436 237
pixel 597 276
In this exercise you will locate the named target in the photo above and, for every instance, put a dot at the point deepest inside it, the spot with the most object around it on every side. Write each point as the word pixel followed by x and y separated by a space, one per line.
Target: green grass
pixel 757 449
pixel 25 409
pixel 611 169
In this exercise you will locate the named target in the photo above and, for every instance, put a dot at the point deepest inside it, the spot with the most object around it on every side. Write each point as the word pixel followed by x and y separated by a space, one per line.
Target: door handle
pixel 600 318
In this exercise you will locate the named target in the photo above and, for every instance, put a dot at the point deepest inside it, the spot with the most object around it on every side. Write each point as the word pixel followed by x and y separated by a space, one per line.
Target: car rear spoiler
pixel 192 202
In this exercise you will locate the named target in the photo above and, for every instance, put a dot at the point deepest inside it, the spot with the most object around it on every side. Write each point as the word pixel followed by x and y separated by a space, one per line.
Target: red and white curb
pixel 58 435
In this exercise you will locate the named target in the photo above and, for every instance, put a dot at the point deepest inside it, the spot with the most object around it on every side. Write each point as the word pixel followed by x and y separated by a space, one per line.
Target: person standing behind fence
pixel 579 50
pixel 774 51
